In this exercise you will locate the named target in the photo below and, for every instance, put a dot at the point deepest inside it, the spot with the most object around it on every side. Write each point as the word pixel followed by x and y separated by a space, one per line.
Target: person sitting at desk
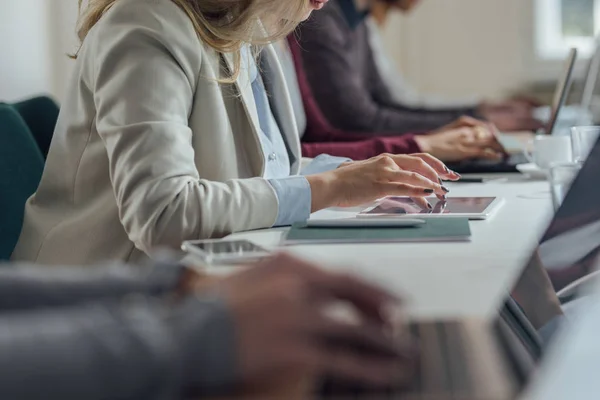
pixel 400 88
pixel 166 332
pixel 512 114
pixel 168 134
pixel 351 92
pixel 463 139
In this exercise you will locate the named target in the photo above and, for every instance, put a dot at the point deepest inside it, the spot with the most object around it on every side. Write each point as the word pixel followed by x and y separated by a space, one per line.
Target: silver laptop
pixel 561 93
pixel 591 79
pixel 515 148
pixel 469 359
pixel 580 112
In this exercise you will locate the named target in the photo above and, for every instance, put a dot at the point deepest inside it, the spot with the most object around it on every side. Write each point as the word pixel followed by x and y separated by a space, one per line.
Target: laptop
pixel 514 148
pixel 582 111
pixel 591 79
pixel 466 359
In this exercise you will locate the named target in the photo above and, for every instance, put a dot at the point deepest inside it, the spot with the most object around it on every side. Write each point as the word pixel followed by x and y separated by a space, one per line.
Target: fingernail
pixel 447 170
pixel 441 182
pixel 428 191
pixel 429 206
pixel 445 189
pixel 457 174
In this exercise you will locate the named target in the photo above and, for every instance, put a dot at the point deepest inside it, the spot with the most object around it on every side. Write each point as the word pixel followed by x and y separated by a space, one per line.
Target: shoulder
pixel 326 25
pixel 325 29
pixel 139 23
pixel 331 12
pixel 328 19
pixel 159 17
pixel 140 30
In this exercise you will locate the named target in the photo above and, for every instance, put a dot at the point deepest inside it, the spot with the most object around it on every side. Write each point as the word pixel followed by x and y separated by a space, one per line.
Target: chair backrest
pixel 40 114
pixel 21 167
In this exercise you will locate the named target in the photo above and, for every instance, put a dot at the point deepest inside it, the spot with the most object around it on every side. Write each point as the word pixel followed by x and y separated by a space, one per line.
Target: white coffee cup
pixel 548 150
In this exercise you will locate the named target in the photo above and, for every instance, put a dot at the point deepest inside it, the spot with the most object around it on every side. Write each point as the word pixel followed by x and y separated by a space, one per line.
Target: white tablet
pixel 470 207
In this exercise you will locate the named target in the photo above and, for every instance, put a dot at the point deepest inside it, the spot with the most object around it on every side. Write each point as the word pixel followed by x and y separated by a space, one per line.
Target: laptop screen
pixel 591 78
pixel 568 251
pixel 563 88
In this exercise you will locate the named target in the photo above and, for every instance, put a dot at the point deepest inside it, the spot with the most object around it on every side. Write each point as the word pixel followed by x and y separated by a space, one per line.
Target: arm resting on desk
pixel 29 287
pixel 142 349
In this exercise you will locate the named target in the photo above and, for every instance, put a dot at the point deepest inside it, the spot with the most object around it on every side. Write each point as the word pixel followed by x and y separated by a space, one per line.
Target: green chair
pixel 40 114
pixel 21 167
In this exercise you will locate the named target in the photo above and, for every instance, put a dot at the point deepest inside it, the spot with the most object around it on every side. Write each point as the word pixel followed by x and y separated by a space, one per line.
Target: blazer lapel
pixel 244 88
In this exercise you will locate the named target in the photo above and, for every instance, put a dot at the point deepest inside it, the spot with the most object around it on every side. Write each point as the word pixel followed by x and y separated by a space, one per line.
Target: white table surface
pixel 445 279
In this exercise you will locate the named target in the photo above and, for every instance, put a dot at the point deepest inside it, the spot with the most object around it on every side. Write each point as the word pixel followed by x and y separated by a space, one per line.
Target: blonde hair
pixel 224 25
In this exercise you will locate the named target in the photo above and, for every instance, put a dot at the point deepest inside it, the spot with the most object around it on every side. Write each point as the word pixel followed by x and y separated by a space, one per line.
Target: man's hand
pixel 281 310
pixel 462 122
pixel 511 115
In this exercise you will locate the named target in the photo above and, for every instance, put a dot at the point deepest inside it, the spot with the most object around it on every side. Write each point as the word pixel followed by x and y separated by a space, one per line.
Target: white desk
pixel 446 279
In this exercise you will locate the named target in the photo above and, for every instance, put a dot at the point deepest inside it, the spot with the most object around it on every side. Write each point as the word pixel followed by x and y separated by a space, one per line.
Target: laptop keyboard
pixel 458 360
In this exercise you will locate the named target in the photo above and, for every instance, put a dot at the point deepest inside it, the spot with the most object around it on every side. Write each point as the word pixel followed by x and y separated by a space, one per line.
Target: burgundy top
pixel 320 137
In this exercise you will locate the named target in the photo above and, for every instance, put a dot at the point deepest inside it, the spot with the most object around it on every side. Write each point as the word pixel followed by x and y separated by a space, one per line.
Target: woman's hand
pixel 460 143
pixel 356 183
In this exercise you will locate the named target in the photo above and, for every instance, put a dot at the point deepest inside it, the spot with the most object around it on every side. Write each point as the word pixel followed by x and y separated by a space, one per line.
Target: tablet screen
pixel 453 205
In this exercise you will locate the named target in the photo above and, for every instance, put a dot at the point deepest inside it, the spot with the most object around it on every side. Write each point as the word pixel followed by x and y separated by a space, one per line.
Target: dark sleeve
pixel 144 349
pixel 363 149
pixel 30 287
pixel 344 98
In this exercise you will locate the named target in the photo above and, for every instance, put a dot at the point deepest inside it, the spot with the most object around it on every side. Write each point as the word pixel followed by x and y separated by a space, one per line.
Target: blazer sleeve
pixel 146 63
pixel 344 98
pixel 135 349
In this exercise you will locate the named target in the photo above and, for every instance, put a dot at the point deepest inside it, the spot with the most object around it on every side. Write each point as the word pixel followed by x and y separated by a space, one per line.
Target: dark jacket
pixel 109 333
pixel 345 82
pixel 322 138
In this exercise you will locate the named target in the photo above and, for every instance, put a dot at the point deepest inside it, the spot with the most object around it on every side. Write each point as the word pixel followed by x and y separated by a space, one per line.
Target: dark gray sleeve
pixel 29 287
pixel 141 349
pixel 343 96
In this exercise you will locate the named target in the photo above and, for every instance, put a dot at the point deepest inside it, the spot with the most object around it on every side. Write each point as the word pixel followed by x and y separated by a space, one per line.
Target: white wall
pixel 36 36
pixel 24 48
pixel 63 17
pixel 465 47
pixel 451 47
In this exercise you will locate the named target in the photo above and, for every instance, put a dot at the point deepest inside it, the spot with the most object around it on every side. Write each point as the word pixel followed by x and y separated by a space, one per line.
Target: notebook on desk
pixel 455 355
pixel 438 229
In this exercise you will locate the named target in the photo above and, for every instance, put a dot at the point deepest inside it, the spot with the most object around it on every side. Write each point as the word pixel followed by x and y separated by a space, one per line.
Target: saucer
pixel 533 171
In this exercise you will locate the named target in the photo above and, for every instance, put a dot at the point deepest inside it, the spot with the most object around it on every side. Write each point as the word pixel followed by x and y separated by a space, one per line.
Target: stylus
pixel 479 180
pixel 364 223
pixel 470 180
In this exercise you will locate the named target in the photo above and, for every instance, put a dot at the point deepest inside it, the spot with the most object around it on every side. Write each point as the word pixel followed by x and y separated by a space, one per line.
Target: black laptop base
pixel 488 166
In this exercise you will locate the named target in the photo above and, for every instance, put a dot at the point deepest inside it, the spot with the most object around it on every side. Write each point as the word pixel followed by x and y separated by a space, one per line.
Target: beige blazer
pixel 150 150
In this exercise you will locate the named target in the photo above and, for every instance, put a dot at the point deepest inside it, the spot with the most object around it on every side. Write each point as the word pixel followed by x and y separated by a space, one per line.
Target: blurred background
pixel 488 48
